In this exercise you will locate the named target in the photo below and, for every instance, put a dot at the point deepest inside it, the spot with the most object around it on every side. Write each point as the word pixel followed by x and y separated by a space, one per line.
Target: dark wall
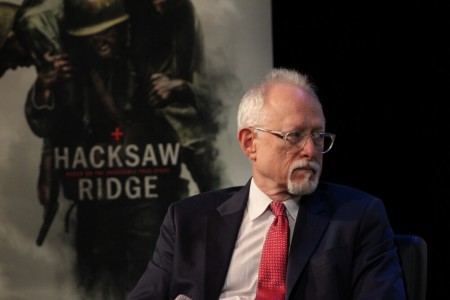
pixel 382 74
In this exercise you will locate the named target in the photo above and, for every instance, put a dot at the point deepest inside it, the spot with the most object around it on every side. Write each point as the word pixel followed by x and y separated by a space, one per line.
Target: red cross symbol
pixel 117 133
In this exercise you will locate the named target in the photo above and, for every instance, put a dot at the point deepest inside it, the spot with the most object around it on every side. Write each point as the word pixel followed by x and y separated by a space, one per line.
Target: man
pixel 341 242
pixel 13 53
pixel 167 44
pixel 115 157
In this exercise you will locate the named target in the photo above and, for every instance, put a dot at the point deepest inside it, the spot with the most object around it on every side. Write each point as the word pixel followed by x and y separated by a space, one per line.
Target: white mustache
pixel 301 164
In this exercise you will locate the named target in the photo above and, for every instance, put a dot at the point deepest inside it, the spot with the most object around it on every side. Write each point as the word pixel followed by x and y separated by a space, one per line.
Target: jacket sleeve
pixel 154 282
pixel 377 273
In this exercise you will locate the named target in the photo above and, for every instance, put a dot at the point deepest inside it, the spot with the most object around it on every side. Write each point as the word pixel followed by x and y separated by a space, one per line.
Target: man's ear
pixel 246 140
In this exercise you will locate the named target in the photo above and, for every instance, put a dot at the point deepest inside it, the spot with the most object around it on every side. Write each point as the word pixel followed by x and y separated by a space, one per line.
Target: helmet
pixel 86 17
pixel 7 16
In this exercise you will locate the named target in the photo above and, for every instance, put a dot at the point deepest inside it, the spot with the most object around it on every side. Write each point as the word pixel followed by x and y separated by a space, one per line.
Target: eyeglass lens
pixel 323 142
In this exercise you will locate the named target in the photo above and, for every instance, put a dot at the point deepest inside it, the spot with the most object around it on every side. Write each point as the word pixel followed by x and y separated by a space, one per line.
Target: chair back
pixel 412 251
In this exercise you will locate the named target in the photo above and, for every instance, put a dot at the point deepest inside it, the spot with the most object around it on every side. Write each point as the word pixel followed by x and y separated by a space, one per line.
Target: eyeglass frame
pixel 283 135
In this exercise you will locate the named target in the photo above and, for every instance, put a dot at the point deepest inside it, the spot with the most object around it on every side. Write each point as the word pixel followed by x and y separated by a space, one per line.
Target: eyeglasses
pixel 323 141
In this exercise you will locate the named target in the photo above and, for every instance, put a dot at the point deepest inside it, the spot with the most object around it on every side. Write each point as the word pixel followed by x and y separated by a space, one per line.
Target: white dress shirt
pixel 242 276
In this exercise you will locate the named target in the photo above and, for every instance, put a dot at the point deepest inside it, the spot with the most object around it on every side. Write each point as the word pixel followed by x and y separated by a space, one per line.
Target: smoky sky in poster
pixel 125 157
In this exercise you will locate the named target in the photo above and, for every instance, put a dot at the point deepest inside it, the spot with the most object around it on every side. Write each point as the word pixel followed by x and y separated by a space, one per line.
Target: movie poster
pixel 111 110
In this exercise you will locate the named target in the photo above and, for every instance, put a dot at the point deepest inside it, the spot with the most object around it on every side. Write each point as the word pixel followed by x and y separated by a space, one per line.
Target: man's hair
pixel 250 111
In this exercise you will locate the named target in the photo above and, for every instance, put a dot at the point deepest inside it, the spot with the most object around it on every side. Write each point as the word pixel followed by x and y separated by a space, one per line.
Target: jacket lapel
pixel 312 221
pixel 222 230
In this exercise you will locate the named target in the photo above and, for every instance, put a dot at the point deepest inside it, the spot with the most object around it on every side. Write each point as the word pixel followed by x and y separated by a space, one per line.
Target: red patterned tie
pixel 272 268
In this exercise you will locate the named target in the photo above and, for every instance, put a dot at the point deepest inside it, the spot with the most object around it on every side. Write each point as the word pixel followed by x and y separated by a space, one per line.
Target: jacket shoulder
pixel 210 199
pixel 343 190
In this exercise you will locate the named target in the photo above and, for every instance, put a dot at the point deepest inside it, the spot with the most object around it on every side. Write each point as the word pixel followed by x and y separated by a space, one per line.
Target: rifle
pixel 48 220
pixel 48 181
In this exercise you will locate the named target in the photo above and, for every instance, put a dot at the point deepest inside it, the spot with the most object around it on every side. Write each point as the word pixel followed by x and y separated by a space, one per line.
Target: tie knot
pixel 278 208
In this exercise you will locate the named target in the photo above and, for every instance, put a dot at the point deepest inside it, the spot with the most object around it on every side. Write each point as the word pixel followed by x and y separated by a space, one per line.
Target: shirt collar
pixel 258 203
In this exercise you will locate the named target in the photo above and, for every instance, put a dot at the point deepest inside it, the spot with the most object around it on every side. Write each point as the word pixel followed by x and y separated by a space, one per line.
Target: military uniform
pixel 118 159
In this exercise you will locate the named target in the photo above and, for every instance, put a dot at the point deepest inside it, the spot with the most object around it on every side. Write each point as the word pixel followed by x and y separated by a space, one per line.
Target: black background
pixel 381 69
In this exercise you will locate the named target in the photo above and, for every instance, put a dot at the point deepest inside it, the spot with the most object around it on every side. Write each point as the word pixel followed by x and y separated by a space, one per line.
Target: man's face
pixel 284 167
pixel 106 44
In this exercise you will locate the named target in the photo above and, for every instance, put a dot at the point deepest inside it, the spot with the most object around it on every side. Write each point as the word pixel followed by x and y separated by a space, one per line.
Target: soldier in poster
pixel 168 47
pixel 115 138
pixel 13 52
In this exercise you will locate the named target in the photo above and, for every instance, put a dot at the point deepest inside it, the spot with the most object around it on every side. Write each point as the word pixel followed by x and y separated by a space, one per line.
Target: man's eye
pixel 294 136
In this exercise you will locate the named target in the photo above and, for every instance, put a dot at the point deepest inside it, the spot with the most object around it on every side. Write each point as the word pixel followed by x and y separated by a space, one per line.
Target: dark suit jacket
pixel 342 248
